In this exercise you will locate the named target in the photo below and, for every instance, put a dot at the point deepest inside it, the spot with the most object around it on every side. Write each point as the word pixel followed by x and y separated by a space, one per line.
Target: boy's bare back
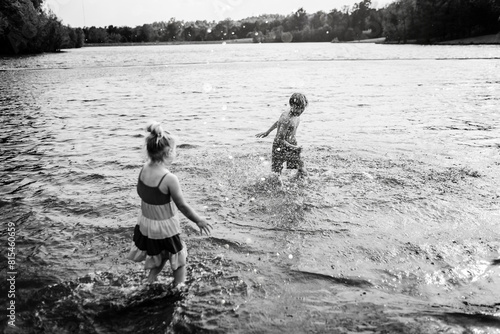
pixel 289 124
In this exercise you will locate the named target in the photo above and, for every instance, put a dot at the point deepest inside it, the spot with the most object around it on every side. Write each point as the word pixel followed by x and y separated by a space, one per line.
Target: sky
pixel 101 13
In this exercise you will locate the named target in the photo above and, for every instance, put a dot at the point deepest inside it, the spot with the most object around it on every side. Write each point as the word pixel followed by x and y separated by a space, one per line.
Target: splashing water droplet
pixel 207 87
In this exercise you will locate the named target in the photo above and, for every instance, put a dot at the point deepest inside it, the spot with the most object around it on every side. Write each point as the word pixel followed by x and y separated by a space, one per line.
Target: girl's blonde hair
pixel 160 144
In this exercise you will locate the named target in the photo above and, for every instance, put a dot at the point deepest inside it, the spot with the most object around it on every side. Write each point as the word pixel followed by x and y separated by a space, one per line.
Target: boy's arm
pixel 265 134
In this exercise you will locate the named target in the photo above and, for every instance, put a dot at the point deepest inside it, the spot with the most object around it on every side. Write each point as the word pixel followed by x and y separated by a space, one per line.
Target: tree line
pixel 430 21
pixel 26 28
pixel 356 22
pixel 420 21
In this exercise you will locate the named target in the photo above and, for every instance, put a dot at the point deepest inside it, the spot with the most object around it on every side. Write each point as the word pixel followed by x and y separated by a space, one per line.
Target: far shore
pixel 479 40
pixel 229 41
pixel 487 39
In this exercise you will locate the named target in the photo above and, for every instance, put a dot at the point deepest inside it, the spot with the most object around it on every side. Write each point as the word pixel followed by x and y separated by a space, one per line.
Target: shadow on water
pixel 100 303
pixel 300 275
pixel 479 322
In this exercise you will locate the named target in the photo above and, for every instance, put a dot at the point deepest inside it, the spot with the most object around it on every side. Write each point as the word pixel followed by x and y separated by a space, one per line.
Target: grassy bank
pixel 486 39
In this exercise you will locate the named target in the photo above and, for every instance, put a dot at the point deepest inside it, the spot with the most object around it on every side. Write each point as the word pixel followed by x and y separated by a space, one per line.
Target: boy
pixel 285 148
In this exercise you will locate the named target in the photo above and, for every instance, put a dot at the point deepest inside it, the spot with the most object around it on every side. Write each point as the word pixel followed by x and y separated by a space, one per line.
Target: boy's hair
pixel 298 100
pixel 160 145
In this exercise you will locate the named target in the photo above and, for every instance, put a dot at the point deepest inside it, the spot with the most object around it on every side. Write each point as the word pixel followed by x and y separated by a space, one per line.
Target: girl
pixel 157 233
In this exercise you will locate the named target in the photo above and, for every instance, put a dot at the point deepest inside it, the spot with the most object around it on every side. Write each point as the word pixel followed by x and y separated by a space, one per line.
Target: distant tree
pixel 299 20
pixel 399 20
pixel 339 23
pixel 20 24
pixel 159 29
pixel 220 31
pixel 147 33
pixel 79 38
pixel 54 34
pixel 127 34
pixel 173 31
pixel 359 14
pixel 374 24
pixel 246 28
pixel 114 37
pixel 97 35
pixel 286 37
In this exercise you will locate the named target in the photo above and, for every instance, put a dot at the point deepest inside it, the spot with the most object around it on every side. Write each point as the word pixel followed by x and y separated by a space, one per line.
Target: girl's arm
pixel 176 193
pixel 265 134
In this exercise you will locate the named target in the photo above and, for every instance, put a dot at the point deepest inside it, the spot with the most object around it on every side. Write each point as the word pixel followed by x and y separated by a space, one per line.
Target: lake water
pixel 396 230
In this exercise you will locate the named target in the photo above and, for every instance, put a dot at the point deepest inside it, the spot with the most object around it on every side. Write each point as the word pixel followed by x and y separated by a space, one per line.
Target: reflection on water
pixel 395 231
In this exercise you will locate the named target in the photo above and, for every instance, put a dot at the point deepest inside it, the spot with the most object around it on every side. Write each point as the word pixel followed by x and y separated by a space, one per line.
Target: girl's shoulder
pixel 169 180
pixel 150 173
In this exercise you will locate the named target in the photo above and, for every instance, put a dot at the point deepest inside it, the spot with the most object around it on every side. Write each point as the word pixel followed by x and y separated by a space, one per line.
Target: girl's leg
pixel 179 275
pixel 153 273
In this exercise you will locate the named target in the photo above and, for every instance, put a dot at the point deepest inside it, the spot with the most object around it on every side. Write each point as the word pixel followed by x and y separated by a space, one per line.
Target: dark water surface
pixel 395 231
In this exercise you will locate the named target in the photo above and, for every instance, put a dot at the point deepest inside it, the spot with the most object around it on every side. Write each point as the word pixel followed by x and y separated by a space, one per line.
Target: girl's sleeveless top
pixel 158 225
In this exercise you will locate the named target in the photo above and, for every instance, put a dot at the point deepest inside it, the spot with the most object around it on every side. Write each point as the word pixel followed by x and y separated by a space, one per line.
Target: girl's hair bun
pixel 160 144
pixel 155 128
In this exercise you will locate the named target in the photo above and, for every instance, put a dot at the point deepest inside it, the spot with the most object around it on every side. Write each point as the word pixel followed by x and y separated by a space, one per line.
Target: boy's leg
pixel 277 159
pixel 294 161
pixel 302 171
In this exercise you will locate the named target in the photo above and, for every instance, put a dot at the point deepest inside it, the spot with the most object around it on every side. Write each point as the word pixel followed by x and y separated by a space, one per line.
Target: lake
pixel 396 229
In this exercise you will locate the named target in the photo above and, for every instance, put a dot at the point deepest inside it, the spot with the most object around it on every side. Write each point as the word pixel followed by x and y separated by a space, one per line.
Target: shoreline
pixel 479 40
pixel 493 39
pixel 229 41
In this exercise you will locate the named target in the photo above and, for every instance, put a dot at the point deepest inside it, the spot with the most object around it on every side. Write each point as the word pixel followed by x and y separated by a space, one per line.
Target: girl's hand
pixel 204 226
pixel 261 135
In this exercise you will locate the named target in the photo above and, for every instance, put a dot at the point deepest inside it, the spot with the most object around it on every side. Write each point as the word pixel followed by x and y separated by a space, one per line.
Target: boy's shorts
pixel 282 154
